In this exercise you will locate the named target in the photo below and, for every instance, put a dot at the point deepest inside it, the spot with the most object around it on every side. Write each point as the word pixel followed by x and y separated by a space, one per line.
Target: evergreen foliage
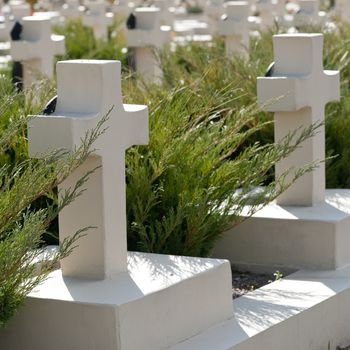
pixel 196 175
pixel 22 224
pixel 210 147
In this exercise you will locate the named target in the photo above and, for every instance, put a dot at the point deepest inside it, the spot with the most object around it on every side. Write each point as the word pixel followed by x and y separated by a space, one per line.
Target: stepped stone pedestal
pixel 159 302
pixel 103 297
pixel 292 237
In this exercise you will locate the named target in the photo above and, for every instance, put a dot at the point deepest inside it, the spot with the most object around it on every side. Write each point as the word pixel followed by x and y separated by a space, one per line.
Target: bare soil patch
pixel 244 282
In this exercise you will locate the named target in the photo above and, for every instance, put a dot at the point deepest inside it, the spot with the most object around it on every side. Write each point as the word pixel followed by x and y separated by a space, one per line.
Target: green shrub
pixel 22 224
pixel 193 179
pixel 204 89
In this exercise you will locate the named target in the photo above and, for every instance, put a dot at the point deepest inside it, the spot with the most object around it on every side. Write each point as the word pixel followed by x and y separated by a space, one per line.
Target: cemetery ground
pixel 203 120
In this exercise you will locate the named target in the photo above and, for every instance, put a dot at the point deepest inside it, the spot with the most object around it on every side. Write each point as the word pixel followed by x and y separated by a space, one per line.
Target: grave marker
pixel 36 48
pixel 306 88
pixel 142 41
pixel 122 9
pixel 71 9
pixel 103 298
pixel 81 103
pixel 20 10
pixel 265 9
pixel 214 10
pixel 308 13
pixel 279 7
pixel 342 8
pixel 5 29
pixel 307 227
pixel 167 17
pixel 234 27
pixel 97 18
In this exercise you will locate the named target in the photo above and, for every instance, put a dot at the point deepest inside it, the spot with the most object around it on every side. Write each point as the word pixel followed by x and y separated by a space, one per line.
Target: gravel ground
pixel 244 282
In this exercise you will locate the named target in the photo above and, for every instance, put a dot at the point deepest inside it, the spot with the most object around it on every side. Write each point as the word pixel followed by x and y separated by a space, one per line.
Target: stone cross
pixel 214 10
pixel 71 9
pixel 266 13
pixel 98 19
pixel 308 13
pixel 20 10
pixel 166 17
pixel 36 48
pixel 122 9
pixel 342 8
pixel 279 7
pixel 86 90
pixel 144 39
pixel 5 29
pixel 234 27
pixel 297 90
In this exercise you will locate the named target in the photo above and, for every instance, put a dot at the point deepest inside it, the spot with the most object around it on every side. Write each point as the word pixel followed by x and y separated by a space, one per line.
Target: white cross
pixel 98 19
pixel 213 11
pixel 5 29
pixel 148 31
pixel 342 8
pixel 71 9
pixel 235 28
pixel 266 13
pixel 122 9
pixel 298 77
pixel 167 17
pixel 279 7
pixel 147 35
pixel 87 89
pixel 20 10
pixel 308 13
pixel 37 48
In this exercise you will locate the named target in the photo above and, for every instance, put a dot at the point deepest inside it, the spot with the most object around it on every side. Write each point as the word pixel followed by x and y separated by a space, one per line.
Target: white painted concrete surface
pixel 288 237
pixel 305 311
pixel 160 301
pixel 297 91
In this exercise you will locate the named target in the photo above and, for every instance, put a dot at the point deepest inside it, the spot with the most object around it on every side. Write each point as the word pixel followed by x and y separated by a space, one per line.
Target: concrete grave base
pixel 309 310
pixel 161 301
pixel 292 238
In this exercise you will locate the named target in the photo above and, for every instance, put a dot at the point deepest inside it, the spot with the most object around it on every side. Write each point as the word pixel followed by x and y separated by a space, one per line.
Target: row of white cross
pixel 37 47
pixel 88 89
pixel 268 10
